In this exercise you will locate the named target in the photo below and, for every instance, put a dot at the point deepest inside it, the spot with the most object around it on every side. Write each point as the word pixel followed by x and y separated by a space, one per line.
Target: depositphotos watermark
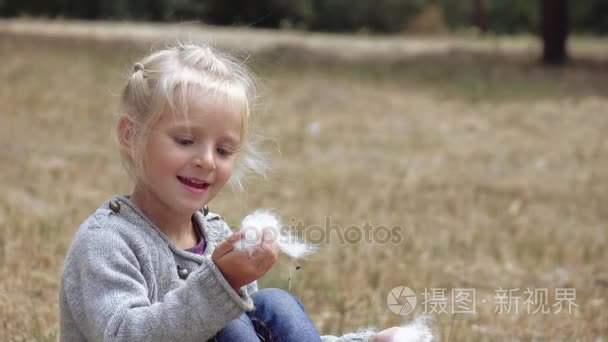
pixel 333 233
pixel 402 300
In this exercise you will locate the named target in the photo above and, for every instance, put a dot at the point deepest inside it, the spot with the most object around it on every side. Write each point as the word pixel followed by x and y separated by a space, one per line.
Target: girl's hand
pixel 239 267
pixel 385 335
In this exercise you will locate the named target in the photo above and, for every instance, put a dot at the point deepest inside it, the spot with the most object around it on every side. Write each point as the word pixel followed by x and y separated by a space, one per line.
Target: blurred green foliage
pixel 503 16
pixel 349 15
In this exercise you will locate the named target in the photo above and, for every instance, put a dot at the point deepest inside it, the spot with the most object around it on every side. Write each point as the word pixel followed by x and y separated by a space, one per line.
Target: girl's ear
pixel 126 132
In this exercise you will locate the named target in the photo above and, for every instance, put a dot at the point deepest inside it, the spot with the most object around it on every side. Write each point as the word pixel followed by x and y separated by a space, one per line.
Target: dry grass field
pixel 494 169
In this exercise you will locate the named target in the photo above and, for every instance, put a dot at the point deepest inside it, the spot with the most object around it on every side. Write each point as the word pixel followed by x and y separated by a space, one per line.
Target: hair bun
pixel 137 67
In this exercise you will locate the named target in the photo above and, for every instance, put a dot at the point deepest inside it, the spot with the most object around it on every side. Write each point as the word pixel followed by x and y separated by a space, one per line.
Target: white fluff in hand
pixel 416 331
pixel 255 224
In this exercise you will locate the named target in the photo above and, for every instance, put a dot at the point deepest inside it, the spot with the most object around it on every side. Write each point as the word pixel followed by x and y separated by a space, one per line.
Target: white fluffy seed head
pixel 417 331
pixel 255 224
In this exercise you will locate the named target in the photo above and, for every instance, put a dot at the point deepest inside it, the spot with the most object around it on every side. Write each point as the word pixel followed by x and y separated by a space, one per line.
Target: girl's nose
pixel 205 161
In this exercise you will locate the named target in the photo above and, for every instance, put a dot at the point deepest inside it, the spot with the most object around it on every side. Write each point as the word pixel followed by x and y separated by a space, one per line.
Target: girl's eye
pixel 224 152
pixel 184 141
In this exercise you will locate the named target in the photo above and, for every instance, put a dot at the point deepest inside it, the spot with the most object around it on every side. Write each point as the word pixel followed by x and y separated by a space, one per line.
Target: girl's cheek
pixel 226 169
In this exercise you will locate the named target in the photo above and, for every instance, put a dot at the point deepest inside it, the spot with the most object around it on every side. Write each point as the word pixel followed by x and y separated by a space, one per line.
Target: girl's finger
pixel 235 237
pixel 227 246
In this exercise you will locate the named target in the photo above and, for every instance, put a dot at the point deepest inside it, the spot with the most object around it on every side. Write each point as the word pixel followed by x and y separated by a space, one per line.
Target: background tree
pixel 554 31
pixel 479 17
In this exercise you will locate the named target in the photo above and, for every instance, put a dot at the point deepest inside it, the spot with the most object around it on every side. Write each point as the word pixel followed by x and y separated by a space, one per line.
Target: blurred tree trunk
pixel 479 16
pixel 554 31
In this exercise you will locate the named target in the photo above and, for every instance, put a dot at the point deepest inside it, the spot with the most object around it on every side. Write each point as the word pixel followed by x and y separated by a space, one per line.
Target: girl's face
pixel 189 158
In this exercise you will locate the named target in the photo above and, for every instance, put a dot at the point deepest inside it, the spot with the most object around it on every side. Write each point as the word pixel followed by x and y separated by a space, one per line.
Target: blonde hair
pixel 167 78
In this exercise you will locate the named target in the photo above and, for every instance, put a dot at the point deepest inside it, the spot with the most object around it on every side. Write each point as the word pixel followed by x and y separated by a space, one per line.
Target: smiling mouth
pixel 193 183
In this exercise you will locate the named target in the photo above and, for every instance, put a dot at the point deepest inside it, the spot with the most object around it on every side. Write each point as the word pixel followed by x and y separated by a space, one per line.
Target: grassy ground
pixel 494 168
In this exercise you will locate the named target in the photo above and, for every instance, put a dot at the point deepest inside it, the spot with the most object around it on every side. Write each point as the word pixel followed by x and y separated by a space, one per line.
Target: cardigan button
pixel 115 206
pixel 183 272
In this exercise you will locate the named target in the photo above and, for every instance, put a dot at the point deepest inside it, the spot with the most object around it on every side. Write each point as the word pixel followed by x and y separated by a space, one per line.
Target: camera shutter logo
pixel 408 300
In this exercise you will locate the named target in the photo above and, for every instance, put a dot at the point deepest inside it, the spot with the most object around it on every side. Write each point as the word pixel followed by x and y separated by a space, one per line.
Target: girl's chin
pixel 191 207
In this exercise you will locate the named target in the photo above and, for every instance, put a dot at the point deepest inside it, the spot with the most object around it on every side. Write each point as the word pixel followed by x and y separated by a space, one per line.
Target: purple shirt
pixel 200 247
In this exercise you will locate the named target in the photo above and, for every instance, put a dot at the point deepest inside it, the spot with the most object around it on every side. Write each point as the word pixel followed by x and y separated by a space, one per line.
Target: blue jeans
pixel 278 316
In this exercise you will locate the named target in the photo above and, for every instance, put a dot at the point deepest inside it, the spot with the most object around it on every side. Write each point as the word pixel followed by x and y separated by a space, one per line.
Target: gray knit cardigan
pixel 120 282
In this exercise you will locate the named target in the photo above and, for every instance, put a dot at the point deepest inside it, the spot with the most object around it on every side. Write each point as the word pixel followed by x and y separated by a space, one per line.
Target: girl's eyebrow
pixel 228 137
pixel 182 127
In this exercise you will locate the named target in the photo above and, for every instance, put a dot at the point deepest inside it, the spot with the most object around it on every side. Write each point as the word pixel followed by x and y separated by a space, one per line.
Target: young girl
pixel 153 265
